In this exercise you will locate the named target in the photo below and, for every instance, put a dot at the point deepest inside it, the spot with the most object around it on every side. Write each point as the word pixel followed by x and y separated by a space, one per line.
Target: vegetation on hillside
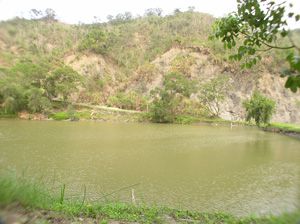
pixel 30 85
pixel 33 53
pixel 168 99
pixel 42 60
pixel 213 93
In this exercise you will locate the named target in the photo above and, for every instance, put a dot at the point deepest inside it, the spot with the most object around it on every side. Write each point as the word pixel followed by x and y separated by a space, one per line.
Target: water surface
pixel 207 168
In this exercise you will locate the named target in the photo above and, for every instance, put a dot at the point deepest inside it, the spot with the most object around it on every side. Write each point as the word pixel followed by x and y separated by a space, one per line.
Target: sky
pixel 75 11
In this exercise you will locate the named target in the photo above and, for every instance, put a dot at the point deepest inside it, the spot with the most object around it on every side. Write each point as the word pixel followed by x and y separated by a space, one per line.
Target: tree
pixel 153 12
pixel 62 82
pixel 258 25
pixel 95 40
pixel 49 15
pixel 191 8
pixel 166 99
pixel 212 94
pixel 259 108
pixel 37 102
pixel 35 13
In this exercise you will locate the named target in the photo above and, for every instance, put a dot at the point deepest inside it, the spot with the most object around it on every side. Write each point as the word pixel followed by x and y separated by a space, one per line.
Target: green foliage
pixel 162 108
pixel 27 192
pixel 32 194
pixel 182 64
pixel 128 101
pixel 167 99
pixel 70 114
pixel 286 127
pixel 213 93
pixel 73 116
pixel 62 82
pixel 59 116
pixel 176 83
pixel 293 73
pixel 185 119
pixel 259 24
pixel 12 97
pixel 31 85
pixel 37 102
pixel 259 108
pixel 95 40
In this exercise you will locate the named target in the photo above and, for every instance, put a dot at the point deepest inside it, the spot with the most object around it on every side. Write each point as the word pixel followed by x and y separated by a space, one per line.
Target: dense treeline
pixel 32 85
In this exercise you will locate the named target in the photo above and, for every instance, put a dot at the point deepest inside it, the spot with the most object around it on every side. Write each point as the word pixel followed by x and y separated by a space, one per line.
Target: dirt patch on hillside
pixel 90 64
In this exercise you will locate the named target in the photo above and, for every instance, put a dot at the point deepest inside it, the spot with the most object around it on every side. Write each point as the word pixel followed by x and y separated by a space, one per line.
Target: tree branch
pixel 269 45
pixel 292 41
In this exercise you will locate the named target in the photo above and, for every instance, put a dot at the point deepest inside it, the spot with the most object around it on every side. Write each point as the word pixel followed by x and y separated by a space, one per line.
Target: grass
pixel 113 116
pixel 3 114
pixel 60 116
pixel 35 196
pixel 185 119
pixel 286 127
pixel 24 191
pixel 8 115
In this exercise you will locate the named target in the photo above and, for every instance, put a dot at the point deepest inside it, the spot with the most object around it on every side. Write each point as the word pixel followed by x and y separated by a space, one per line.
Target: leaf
pixel 293 83
pixel 284 33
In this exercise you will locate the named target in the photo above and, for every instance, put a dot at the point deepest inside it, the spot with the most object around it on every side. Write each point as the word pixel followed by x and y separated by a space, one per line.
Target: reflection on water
pixel 205 168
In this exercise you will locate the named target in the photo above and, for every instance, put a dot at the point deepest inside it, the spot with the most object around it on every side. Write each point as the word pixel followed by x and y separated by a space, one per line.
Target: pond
pixel 200 167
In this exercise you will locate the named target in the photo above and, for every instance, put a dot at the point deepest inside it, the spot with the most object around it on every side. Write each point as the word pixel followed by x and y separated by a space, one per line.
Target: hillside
pixel 118 64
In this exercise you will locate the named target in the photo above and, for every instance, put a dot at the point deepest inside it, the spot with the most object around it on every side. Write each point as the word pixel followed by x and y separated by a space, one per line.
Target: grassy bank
pixel 32 196
pixel 284 127
pixel 292 130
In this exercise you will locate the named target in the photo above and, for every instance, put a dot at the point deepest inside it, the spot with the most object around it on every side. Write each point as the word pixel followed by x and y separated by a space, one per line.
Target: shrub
pixel 213 93
pixel 60 116
pixel 13 99
pixel 167 99
pixel 162 108
pixel 37 102
pixel 182 64
pixel 259 108
pixel 129 101
pixel 95 41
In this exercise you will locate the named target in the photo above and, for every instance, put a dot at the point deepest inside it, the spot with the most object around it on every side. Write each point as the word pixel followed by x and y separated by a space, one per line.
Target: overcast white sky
pixel 74 11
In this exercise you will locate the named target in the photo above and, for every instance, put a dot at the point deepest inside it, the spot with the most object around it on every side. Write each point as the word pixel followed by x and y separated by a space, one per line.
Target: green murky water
pixel 207 168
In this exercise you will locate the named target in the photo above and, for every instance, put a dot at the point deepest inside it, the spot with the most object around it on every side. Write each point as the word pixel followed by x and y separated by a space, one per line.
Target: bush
pixel 162 109
pixel 95 41
pixel 60 116
pixel 182 64
pixel 213 93
pixel 259 108
pixel 12 97
pixel 37 102
pixel 128 101
pixel 167 99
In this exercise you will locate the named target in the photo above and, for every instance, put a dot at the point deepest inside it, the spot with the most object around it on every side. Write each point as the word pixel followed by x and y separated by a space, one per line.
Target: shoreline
pixel 25 200
pixel 122 116
pixel 60 210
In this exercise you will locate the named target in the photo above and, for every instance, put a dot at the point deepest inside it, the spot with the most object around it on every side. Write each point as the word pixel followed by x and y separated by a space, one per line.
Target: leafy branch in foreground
pixel 259 24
